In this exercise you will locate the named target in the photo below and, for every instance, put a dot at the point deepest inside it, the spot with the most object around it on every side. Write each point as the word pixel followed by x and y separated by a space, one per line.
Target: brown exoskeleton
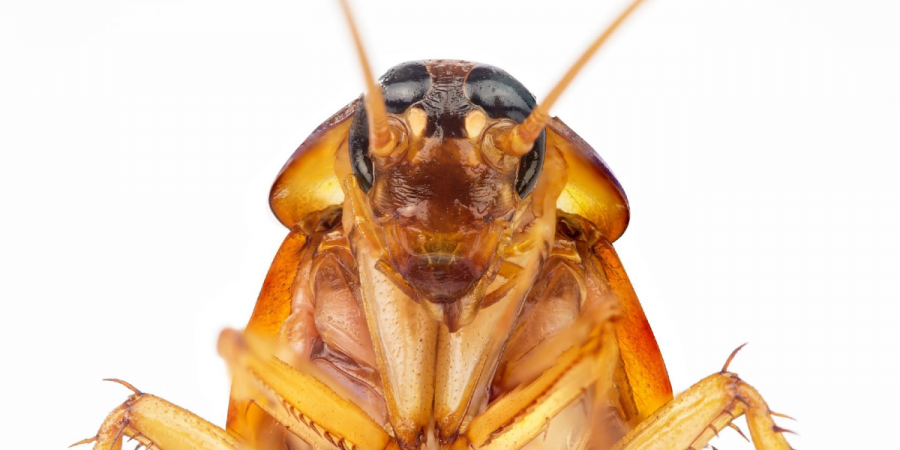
pixel 448 282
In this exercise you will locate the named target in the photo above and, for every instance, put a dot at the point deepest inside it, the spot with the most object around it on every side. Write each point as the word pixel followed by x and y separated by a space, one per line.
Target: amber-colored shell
pixel 592 191
pixel 308 180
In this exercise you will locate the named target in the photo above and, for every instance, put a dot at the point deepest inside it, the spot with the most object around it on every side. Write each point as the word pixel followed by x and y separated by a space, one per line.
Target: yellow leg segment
pixel 301 403
pixel 695 416
pixel 520 416
pixel 158 424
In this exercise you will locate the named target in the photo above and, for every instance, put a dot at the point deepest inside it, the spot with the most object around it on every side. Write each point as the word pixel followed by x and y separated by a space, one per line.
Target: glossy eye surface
pixel 402 86
pixel 503 97
pixel 499 94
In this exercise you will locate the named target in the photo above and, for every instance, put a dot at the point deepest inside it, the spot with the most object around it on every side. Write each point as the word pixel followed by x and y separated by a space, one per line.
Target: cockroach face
pixel 446 193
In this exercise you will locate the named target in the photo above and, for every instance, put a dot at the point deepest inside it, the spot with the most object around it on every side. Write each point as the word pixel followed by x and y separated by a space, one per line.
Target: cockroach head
pixel 446 150
pixel 446 191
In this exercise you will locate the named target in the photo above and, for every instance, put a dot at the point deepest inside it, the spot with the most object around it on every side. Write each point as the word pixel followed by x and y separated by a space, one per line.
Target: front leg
pixel 515 419
pixel 156 423
pixel 300 402
pixel 695 416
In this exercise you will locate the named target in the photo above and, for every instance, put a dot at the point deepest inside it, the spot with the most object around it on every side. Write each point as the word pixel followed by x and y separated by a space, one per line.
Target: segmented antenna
pixel 381 140
pixel 519 139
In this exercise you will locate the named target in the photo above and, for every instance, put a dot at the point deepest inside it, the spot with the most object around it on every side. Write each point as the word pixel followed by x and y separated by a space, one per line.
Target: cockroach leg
pixel 520 416
pixel 696 415
pixel 300 402
pixel 156 423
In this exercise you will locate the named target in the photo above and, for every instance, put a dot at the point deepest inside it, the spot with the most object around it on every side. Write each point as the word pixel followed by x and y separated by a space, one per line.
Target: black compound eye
pixel 499 94
pixel 402 86
pixel 359 148
pixel 503 97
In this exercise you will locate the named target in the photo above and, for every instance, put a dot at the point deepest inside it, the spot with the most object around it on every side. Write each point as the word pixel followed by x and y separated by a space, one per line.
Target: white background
pixel 757 141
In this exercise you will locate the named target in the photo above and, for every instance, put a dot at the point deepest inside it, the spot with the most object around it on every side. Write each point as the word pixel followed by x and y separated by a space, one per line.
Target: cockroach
pixel 448 281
